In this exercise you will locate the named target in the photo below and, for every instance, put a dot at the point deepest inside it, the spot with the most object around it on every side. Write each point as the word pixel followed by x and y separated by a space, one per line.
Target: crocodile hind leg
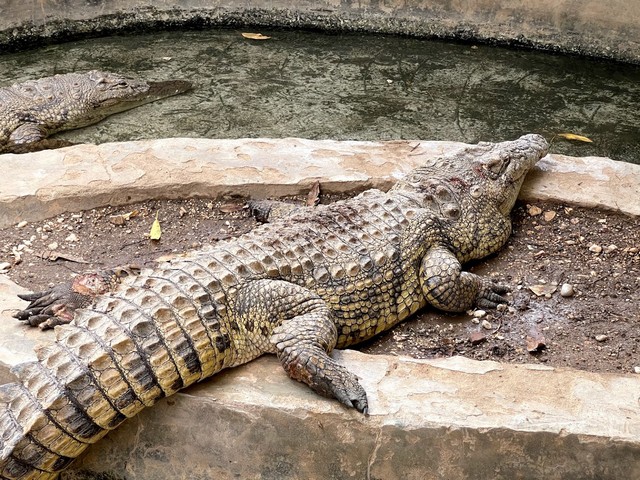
pixel 303 335
pixel 448 288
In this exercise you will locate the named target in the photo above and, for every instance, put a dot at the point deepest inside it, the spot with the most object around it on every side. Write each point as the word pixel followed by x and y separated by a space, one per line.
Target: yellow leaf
pixel 573 136
pixel 255 36
pixel 156 231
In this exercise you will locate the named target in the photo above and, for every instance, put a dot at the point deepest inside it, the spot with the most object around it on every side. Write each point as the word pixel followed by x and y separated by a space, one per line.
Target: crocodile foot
pixel 57 306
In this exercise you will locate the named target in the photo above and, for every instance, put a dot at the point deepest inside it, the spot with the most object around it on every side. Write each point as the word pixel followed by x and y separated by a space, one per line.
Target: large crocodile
pixel 33 110
pixel 321 278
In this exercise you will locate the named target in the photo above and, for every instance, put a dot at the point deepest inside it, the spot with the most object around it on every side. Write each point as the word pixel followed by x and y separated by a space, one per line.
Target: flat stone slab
pixel 44 184
pixel 453 418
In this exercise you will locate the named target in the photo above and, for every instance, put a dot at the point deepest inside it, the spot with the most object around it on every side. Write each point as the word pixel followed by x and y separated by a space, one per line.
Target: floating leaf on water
pixel 573 136
pixel 255 36
pixel 156 231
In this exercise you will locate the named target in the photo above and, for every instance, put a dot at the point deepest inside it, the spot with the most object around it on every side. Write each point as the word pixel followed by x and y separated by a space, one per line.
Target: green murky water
pixel 362 87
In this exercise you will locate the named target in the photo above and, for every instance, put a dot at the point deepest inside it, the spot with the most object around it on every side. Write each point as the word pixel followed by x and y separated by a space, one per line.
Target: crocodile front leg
pixel 303 336
pixel 448 288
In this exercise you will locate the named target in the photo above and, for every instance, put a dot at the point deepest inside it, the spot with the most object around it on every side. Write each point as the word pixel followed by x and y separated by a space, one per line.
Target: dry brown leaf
pixel 313 197
pixel 535 341
pixel 231 207
pixel 541 290
pixel 573 136
pixel 123 217
pixel 53 255
pixel 255 36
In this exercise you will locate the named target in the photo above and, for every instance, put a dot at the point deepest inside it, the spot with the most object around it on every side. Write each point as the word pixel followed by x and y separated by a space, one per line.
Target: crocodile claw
pixel 491 295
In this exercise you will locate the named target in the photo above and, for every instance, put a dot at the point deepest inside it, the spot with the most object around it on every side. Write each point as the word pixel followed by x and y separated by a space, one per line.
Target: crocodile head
pixel 483 177
pixel 498 169
pixel 106 93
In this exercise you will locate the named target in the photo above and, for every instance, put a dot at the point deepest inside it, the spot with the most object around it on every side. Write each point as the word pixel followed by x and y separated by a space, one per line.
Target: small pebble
pixel 595 248
pixel 601 338
pixel 22 224
pixel 479 313
pixel 501 307
pixel 636 369
pixel 567 290
pixel 487 325
pixel 610 248
pixel 4 267
pixel 71 238
pixel 477 337
pixel 549 215
pixel 533 210
pixel 52 246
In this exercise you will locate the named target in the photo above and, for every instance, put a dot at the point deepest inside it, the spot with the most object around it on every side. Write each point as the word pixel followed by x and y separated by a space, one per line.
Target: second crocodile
pixel 33 110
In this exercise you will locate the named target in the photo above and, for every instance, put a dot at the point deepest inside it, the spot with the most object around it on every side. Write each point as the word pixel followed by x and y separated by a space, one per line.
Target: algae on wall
pixel 600 29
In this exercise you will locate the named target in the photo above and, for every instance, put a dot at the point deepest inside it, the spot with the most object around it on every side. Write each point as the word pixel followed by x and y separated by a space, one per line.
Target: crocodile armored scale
pixel 33 110
pixel 310 281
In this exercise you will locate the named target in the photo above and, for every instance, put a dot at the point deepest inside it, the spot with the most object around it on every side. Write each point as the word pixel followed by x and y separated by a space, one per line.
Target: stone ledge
pixel 449 419
pixel 44 184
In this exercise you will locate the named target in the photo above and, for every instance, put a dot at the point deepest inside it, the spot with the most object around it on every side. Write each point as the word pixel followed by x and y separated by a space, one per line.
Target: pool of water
pixel 349 86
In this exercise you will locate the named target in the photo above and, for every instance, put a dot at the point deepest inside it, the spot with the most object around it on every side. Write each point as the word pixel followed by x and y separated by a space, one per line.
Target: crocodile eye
pixel 495 166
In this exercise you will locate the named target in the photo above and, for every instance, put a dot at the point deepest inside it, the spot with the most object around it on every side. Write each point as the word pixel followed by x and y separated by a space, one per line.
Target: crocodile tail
pixel 111 362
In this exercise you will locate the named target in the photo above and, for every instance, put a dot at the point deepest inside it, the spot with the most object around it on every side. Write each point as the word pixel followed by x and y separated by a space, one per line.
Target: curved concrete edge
pixel 555 25
pixel 441 419
pixel 44 184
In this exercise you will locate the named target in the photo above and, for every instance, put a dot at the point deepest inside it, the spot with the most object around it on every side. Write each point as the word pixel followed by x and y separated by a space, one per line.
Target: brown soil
pixel 595 252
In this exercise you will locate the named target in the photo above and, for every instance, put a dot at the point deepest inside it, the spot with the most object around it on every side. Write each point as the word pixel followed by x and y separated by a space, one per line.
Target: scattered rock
pixel 21 224
pixel 549 215
pixel 601 338
pixel 501 307
pixel 53 246
pixel 479 313
pixel 533 210
pixel 477 338
pixel 487 325
pixel 610 248
pixel 636 369
pixel 72 237
pixel 595 248
pixel 4 267
pixel 567 290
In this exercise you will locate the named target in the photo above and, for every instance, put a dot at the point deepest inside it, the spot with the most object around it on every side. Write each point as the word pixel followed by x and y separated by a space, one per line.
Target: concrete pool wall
pixel 592 27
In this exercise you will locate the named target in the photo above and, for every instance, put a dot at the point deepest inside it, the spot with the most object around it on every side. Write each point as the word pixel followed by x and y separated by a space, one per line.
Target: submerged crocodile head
pixel 104 93
pixel 33 110
pixel 486 174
